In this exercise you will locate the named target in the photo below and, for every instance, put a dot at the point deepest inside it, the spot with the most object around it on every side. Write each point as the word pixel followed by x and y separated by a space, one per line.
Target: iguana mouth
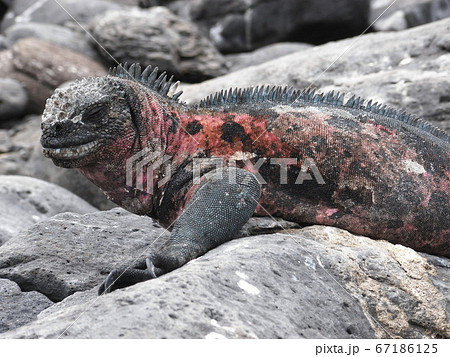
pixel 72 152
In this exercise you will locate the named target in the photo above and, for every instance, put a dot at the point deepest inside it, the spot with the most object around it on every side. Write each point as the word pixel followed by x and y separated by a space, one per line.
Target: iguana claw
pixel 121 278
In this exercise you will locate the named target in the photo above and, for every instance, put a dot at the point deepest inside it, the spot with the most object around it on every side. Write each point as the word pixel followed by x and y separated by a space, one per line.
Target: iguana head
pixel 81 121
pixel 98 120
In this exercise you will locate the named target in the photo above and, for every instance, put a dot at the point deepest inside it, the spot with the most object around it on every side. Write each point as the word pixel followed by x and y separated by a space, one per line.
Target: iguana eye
pixel 95 113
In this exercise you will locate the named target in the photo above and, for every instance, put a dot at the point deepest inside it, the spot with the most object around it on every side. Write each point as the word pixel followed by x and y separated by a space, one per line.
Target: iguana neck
pixel 122 170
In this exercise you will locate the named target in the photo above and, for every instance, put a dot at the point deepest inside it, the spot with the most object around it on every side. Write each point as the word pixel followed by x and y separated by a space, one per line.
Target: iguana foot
pixel 152 267
pixel 121 278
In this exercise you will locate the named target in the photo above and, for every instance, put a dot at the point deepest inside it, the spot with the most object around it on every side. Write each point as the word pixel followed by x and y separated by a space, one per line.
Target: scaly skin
pixel 386 175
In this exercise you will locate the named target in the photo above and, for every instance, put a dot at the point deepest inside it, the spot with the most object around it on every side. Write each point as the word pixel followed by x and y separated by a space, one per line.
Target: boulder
pixel 52 12
pixel 56 34
pixel 16 145
pixel 263 54
pixel 315 282
pixel 72 252
pixel 3 43
pixel 21 154
pixel 4 5
pixel 52 65
pixel 37 92
pixel 72 180
pixel 41 66
pixel 403 14
pixel 17 308
pixel 139 3
pixel 25 201
pixel 409 70
pixel 158 37
pixel 13 99
pixel 244 25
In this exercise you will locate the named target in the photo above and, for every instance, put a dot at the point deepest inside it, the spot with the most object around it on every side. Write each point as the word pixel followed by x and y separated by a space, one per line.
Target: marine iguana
pixel 304 156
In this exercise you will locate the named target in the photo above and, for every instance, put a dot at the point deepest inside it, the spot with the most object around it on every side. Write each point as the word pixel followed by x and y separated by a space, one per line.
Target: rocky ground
pixel 59 236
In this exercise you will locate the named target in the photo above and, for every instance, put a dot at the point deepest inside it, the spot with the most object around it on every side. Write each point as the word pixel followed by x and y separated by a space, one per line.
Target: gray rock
pixel 265 225
pixel 318 282
pixel 59 35
pixel 13 99
pixel 71 252
pixel 18 308
pixel 408 69
pixel 140 3
pixel 37 92
pixel 52 65
pixel 403 14
pixel 243 25
pixel 51 12
pixel 16 145
pixel 71 179
pixel 3 43
pixel 5 142
pixel 158 37
pixel 264 54
pixel 4 5
pixel 442 277
pixel 41 66
pixel 79 297
pixel 21 154
pixel 25 201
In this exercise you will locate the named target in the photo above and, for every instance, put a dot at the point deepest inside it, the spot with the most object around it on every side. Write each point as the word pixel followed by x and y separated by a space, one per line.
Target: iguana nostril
pixel 57 127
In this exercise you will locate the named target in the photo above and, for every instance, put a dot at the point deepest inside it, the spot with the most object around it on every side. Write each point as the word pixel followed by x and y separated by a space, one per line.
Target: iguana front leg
pixel 221 205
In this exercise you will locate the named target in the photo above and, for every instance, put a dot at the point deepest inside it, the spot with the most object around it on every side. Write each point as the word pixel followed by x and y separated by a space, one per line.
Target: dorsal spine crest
pixel 276 95
pixel 148 78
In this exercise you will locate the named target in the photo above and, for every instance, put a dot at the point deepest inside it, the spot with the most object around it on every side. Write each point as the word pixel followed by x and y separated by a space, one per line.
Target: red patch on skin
pixel 209 139
pixel 383 128
pixel 331 211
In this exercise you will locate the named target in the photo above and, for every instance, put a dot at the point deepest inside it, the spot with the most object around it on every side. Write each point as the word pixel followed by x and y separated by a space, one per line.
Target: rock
pixel 52 65
pixel 403 14
pixel 243 25
pixel 5 142
pixel 158 37
pixel 4 5
pixel 21 154
pixel 52 12
pixel 37 92
pixel 25 201
pixel 42 66
pixel 264 54
pixel 442 277
pixel 16 145
pixel 58 35
pixel 140 3
pixel 86 297
pixel 71 252
pixel 395 22
pixel 17 308
pixel 3 43
pixel 408 69
pixel 265 225
pixel 13 99
pixel 317 282
pixel 71 179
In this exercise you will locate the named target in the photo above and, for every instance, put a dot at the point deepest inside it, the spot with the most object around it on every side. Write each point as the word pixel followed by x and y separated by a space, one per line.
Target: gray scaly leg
pixel 222 204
